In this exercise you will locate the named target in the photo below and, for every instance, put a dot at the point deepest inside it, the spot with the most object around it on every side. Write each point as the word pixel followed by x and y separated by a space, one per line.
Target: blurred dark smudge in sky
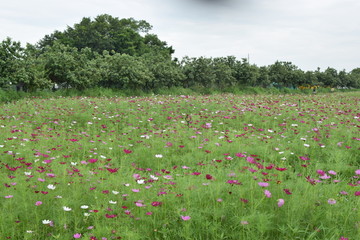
pixel 219 2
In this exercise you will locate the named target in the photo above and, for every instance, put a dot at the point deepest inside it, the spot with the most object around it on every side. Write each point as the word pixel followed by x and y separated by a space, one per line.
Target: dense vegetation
pixel 122 53
pixel 208 167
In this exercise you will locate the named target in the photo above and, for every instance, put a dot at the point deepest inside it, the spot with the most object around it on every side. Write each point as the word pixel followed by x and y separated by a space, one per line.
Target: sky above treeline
pixel 308 33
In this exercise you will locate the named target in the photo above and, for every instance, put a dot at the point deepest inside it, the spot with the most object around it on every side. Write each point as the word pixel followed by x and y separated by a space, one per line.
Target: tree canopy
pixel 107 33
pixel 123 53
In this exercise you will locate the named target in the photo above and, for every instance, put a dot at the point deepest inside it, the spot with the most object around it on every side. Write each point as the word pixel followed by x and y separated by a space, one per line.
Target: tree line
pixel 122 53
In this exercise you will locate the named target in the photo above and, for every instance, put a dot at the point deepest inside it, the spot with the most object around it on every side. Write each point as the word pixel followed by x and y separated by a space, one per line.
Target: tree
pixel 344 79
pixel 11 55
pixel 263 79
pixel 124 36
pixel 167 73
pixel 331 78
pixel 224 73
pixel 198 72
pixel 284 74
pixel 124 71
pixel 355 78
pixel 247 74
pixel 68 67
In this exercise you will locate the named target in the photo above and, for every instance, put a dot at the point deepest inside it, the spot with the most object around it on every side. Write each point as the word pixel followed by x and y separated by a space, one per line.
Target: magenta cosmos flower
pixel 77 235
pixel 185 218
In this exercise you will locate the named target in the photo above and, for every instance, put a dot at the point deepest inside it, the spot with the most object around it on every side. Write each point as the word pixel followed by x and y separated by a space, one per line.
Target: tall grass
pixel 180 166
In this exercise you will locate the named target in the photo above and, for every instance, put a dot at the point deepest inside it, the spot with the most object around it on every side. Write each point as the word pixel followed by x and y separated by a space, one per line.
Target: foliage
pixel 109 33
pixel 68 67
pixel 123 54
pixel 124 71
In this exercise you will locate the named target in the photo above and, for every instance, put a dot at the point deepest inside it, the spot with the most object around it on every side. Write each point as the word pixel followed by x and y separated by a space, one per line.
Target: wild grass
pixel 218 166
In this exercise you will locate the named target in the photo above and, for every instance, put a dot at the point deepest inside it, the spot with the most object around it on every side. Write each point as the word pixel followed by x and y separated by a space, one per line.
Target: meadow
pixel 220 166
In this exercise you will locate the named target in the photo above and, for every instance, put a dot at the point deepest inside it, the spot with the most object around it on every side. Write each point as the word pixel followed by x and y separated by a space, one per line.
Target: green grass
pixel 136 167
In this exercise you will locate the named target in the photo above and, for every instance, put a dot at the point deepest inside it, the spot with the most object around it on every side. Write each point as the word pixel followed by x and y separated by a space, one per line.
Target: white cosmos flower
pixel 67 209
pixel 140 181
pixel 158 155
pixel 84 207
pixel 51 187
pixel 46 221
pixel 86 214
pixel 115 192
pixel 112 202
pixel 153 177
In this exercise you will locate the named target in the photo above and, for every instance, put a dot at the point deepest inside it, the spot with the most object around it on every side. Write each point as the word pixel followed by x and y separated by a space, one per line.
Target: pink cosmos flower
pixel 357 172
pixel 38 203
pixel 77 235
pixel 127 151
pixel 281 202
pixel 357 193
pixel 320 172
pixel 234 182
pixel 112 170
pixel 331 201
pixel 139 204
pixel 155 204
pixel 267 193
pixel 263 184
pixel 287 191
pixel 92 160
pixel 185 218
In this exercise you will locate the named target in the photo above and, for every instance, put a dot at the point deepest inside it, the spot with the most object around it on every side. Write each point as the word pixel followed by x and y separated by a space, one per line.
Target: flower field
pixel 181 167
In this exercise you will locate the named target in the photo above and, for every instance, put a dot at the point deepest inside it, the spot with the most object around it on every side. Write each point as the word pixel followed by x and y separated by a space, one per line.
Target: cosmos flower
pixel 267 193
pixel 46 222
pixel 281 202
pixel 185 218
pixel 77 235
pixel 263 184
pixel 67 209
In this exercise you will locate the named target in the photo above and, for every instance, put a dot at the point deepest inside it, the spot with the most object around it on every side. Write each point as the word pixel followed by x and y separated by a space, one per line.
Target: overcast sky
pixel 308 33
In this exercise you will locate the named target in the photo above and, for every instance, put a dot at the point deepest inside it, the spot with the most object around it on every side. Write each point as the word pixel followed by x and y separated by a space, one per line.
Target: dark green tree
pixel 263 79
pixel 198 72
pixel 247 74
pixel 68 67
pixel 11 55
pixel 124 36
pixel 124 71
pixel 331 77
pixel 224 72
pixel 166 72
pixel 284 74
